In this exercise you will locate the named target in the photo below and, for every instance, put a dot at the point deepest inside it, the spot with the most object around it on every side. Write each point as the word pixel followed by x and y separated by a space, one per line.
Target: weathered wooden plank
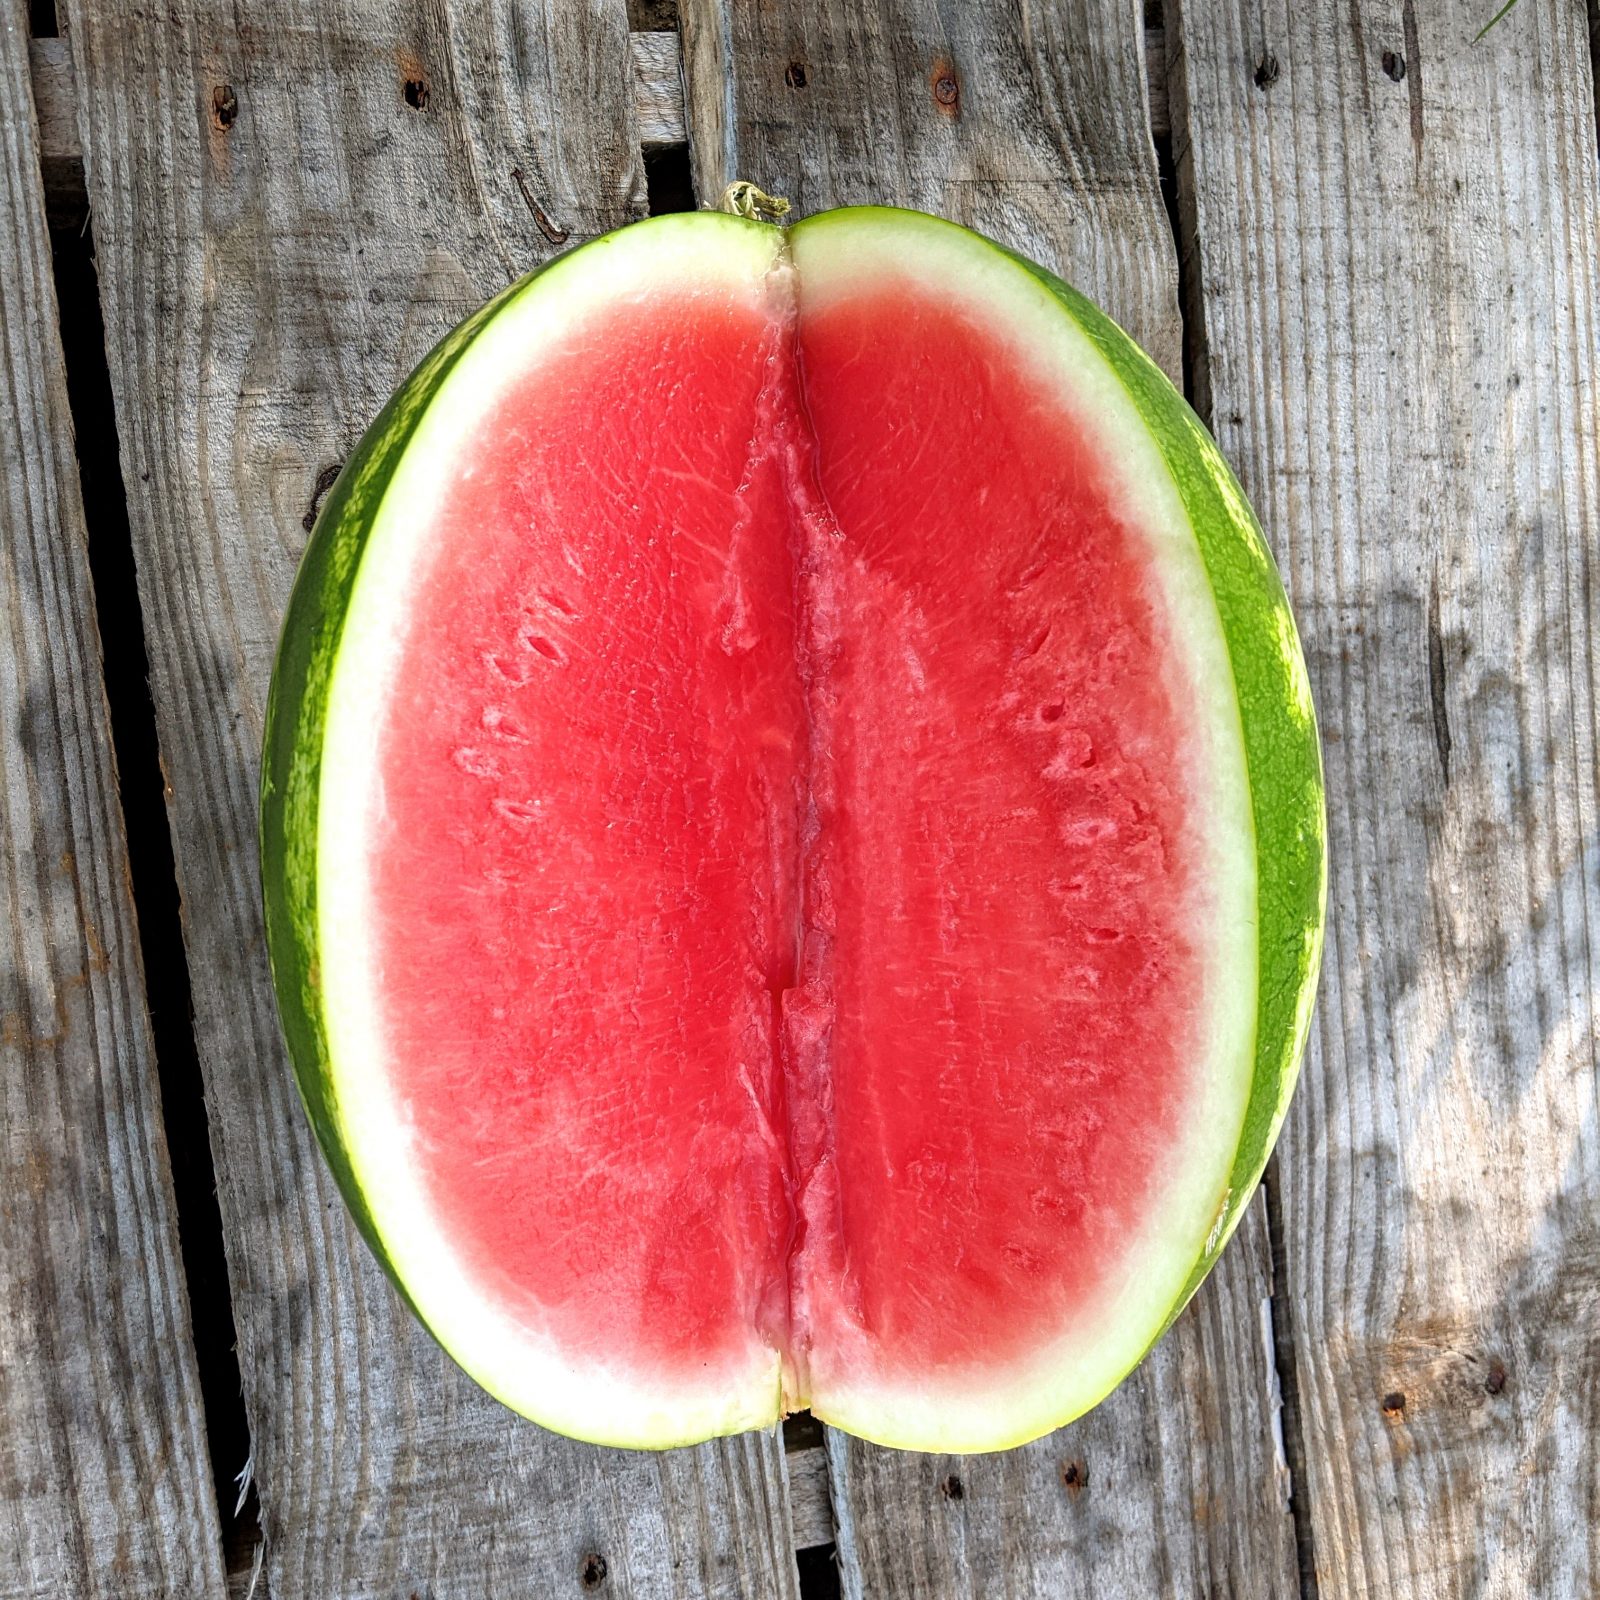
pixel 56 109
pixel 658 88
pixel 1397 271
pixel 105 1487
pixel 658 104
pixel 55 100
pixel 1172 1486
pixel 1032 127
pixel 289 209
pixel 809 1497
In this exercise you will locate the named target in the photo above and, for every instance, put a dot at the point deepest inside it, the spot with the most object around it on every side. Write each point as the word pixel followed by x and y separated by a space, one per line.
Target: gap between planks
pixel 657 87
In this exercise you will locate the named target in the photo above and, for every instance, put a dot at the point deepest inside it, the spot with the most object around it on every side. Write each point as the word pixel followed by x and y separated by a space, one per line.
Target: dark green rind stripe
pixel 291 772
pixel 1283 755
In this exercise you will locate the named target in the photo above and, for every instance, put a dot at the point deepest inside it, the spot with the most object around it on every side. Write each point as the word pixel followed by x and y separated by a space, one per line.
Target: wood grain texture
pixel 809 1497
pixel 55 99
pixel 1172 1486
pixel 658 88
pixel 1029 123
pixel 657 99
pixel 105 1488
pixel 288 211
pixel 55 104
pixel 657 84
pixel 1397 275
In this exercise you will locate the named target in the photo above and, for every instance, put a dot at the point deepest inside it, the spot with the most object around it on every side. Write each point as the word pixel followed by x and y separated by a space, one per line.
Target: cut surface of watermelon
pixel 792 839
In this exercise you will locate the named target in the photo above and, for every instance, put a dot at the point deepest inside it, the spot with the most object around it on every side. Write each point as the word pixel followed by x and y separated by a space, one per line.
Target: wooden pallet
pixel 1367 244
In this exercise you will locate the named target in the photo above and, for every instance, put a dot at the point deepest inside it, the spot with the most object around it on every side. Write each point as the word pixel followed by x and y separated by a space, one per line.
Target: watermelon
pixel 792 837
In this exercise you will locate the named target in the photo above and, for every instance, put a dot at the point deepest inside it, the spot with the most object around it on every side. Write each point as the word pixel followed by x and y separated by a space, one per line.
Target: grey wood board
pixel 1030 124
pixel 55 100
pixel 658 88
pixel 809 1498
pixel 1174 1485
pixel 658 104
pixel 56 109
pixel 1396 236
pixel 288 210
pixel 105 1485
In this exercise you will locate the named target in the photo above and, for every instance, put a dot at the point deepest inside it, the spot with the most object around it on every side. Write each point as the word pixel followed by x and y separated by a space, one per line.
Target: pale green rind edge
pixel 291 762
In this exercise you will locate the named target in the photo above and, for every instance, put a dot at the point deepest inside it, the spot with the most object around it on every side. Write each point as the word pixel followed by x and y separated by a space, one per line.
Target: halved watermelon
pixel 792 836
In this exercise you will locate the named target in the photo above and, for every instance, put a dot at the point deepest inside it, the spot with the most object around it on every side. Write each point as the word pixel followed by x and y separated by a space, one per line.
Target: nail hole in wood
pixel 224 105
pixel 1394 65
pixel 592 1573
pixel 952 1488
pixel 417 93
pixel 1394 1405
pixel 795 74
pixel 1267 71
pixel 946 88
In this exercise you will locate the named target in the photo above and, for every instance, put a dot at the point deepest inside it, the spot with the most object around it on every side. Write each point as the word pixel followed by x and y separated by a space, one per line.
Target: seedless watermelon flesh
pixel 792 836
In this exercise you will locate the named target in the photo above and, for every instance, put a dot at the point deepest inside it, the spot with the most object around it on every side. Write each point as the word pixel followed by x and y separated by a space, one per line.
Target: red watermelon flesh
pixel 781 896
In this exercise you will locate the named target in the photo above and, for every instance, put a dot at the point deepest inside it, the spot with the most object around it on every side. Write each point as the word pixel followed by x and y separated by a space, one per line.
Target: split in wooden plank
pixel 55 101
pixel 105 1486
pixel 60 154
pixel 1394 231
pixel 1040 137
pixel 287 215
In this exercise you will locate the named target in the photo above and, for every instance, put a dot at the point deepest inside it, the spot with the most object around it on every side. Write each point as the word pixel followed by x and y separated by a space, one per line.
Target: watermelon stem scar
pixel 792 837
pixel 742 199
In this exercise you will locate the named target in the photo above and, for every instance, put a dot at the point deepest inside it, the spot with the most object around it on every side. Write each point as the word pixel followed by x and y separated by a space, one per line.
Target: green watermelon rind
pixel 1283 752
pixel 1277 721
pixel 291 767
